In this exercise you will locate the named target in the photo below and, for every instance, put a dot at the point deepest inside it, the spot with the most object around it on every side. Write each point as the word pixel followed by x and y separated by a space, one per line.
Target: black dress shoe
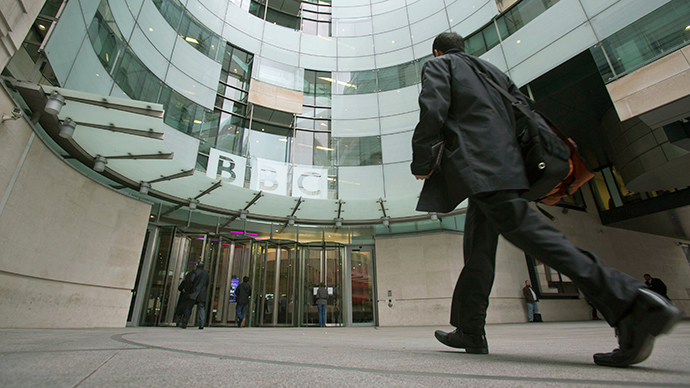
pixel 651 315
pixel 472 343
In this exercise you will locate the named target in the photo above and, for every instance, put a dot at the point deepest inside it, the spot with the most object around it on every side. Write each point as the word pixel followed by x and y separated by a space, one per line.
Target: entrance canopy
pixel 128 144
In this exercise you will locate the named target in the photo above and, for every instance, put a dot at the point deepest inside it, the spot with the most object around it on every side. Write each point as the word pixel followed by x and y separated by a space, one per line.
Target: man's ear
pixel 437 53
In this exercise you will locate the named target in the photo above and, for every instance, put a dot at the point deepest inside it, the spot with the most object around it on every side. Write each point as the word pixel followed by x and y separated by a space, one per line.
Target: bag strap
pixel 517 104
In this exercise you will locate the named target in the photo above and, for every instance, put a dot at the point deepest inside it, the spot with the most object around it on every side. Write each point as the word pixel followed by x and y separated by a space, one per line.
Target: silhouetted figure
pixel 183 302
pixel 197 296
pixel 656 285
pixel 242 294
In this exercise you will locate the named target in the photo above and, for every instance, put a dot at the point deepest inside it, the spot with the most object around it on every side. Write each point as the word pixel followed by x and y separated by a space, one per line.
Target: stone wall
pixel 70 246
pixel 421 271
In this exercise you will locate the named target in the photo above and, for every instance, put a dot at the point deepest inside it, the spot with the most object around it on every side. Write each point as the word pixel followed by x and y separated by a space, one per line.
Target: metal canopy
pixel 131 136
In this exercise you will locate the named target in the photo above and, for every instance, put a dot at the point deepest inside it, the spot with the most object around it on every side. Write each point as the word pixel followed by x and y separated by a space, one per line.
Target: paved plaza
pixel 521 355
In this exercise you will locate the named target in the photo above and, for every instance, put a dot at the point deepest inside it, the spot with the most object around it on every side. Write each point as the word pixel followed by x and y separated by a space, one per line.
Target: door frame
pixel 348 280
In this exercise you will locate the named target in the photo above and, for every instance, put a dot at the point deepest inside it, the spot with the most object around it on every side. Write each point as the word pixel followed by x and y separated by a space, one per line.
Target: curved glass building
pixel 271 139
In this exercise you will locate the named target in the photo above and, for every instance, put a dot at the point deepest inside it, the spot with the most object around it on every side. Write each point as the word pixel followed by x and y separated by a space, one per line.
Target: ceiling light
pixel 144 188
pixel 150 29
pixel 386 221
pixel 99 163
pixel 434 216
pixel 41 27
pixel 518 41
pixel 67 128
pixel 54 104
pixel 191 40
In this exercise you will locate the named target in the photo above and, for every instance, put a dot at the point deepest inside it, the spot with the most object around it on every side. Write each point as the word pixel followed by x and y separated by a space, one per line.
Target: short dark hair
pixel 245 279
pixel 448 40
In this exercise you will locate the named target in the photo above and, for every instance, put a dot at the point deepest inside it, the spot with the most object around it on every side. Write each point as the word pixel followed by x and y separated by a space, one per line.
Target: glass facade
pixel 189 28
pixel 311 17
pixel 353 124
pixel 135 79
pixel 651 37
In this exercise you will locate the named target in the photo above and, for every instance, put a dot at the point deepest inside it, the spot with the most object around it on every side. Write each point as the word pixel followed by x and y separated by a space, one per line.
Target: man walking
pixel 198 295
pixel 657 285
pixel 532 299
pixel 242 294
pixel 482 162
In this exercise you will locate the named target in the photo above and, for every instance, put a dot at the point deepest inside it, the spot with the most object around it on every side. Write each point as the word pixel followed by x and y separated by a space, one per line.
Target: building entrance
pixel 284 276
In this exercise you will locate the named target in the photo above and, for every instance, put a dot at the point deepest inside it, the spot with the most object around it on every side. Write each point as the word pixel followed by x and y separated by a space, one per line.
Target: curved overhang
pixel 130 136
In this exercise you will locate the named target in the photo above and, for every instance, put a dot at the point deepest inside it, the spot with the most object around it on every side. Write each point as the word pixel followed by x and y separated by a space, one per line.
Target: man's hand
pixel 422 177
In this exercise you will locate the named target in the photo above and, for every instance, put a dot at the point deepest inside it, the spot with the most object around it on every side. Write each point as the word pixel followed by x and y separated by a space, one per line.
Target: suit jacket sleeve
pixel 434 103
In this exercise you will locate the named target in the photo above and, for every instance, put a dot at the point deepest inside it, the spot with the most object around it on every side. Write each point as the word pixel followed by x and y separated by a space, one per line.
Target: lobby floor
pixel 521 355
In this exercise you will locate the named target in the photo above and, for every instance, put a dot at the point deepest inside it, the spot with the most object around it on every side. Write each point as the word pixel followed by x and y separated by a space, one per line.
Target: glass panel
pixel 324 154
pixel 657 34
pixel 304 148
pixel 523 13
pixel 286 299
pixel 312 278
pixel 217 270
pixel 171 10
pixel 269 286
pixel 198 36
pixel 397 77
pixel 232 134
pixel 105 37
pixel 359 151
pixel 179 111
pixel 156 286
pixel 267 145
pixel 136 80
pixel 356 82
pixel 334 276
pixel 237 65
pixel 362 287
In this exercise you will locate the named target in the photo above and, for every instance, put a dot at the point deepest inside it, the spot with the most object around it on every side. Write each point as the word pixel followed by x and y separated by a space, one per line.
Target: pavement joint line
pixel 70 350
pixel 120 338
pixel 97 368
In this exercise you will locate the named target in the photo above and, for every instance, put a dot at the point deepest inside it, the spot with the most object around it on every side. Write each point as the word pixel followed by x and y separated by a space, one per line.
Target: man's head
pixel 647 277
pixel 245 279
pixel 447 41
pixel 527 283
pixel 200 265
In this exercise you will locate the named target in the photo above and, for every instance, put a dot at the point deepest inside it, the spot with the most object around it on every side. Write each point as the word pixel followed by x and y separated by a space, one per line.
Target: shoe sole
pixel 467 350
pixel 671 317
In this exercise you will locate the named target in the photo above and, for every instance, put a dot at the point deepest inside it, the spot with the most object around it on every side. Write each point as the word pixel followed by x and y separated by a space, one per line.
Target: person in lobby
pixel 656 285
pixel 183 303
pixel 321 303
pixel 531 300
pixel 242 294
pixel 197 296
pixel 482 162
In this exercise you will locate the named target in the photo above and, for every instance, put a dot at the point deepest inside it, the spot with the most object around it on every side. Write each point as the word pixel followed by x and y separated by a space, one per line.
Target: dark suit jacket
pixel 658 286
pixel 199 285
pixel 242 293
pixel 478 127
